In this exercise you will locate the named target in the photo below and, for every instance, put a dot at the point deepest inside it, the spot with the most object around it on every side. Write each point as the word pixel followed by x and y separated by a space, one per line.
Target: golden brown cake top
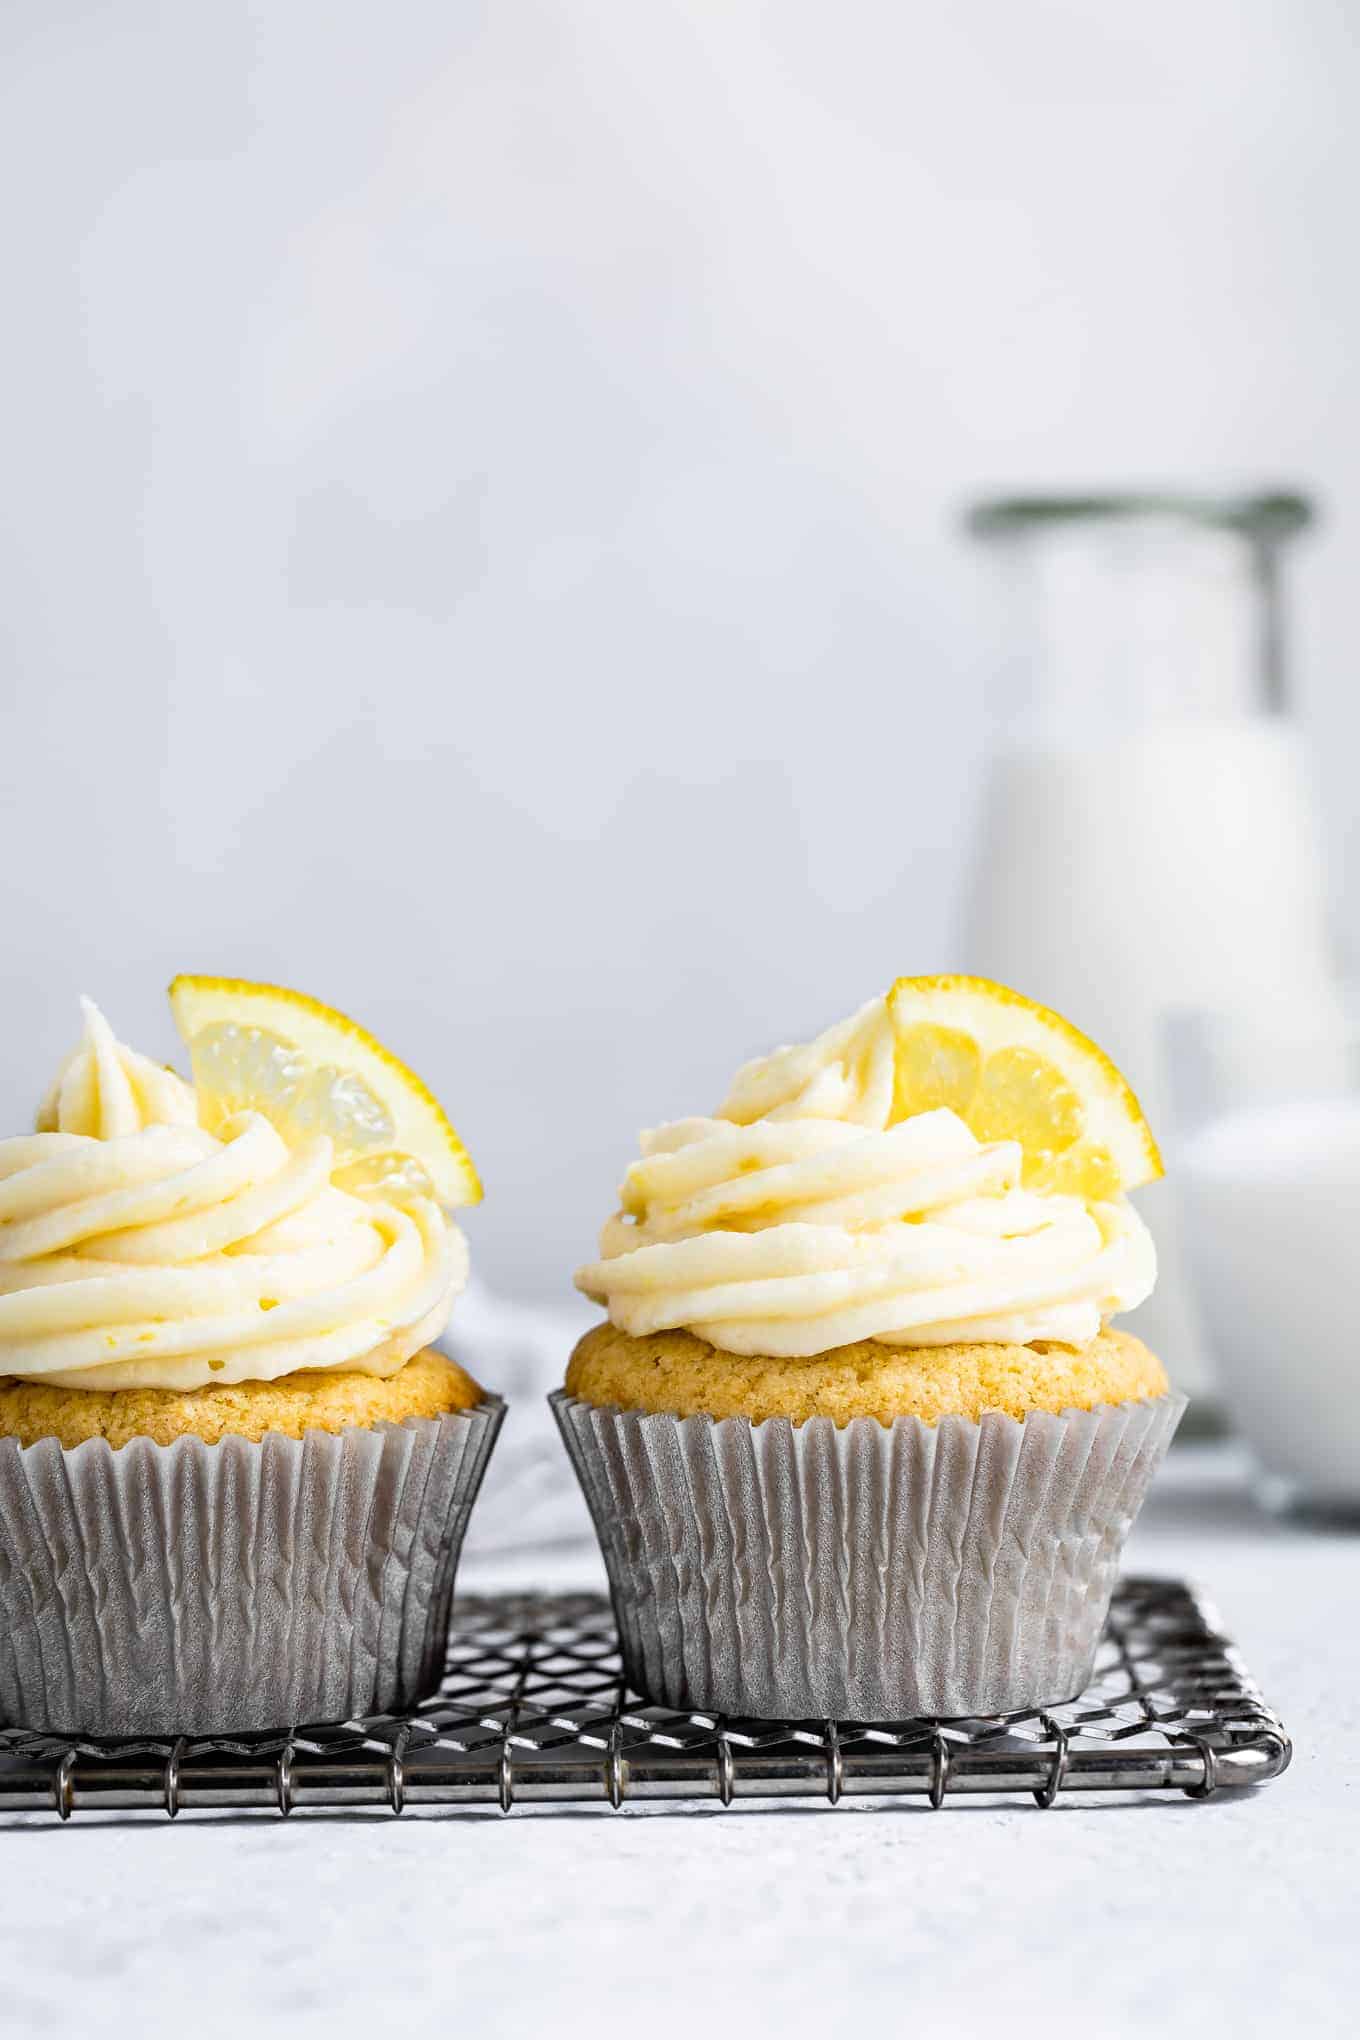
pixel 681 1374
pixel 430 1385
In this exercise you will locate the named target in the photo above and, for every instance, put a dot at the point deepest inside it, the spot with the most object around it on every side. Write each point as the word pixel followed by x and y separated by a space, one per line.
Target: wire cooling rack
pixel 534 1708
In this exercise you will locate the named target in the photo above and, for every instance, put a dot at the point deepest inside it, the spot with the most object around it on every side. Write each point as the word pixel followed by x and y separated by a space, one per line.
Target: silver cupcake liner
pixel 208 1589
pixel 872 1572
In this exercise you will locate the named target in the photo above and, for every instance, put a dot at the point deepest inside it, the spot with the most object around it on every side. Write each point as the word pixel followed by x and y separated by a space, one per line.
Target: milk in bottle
pixel 1148 841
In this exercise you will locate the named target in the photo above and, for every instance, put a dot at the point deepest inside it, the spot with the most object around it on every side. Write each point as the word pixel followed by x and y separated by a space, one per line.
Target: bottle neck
pixel 1117 623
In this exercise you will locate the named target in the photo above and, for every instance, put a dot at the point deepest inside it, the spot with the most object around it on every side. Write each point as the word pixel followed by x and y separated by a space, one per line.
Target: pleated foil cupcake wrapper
pixel 202 1589
pixel 872 1572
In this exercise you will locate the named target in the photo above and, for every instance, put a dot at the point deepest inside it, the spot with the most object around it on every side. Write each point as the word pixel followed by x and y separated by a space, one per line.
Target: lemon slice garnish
pixel 1016 1071
pixel 310 1070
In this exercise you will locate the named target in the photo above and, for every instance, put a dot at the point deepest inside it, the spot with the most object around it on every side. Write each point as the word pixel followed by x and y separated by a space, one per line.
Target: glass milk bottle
pixel 1147 841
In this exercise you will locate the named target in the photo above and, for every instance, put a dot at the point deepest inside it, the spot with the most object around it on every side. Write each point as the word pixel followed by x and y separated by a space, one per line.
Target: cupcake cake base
pixel 194 1569
pixel 873 1568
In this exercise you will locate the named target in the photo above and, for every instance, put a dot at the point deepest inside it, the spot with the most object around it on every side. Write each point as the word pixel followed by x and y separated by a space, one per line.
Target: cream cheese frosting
pixel 801 1218
pixel 139 1250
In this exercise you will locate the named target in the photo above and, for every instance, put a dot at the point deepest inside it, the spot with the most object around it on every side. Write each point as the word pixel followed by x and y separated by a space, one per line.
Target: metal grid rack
pixel 533 1708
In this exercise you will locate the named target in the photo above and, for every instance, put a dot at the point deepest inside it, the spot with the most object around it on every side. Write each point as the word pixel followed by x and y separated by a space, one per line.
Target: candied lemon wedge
pixel 1016 1071
pixel 311 1070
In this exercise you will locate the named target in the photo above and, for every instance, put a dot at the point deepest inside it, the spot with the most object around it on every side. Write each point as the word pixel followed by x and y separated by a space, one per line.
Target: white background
pixel 478 527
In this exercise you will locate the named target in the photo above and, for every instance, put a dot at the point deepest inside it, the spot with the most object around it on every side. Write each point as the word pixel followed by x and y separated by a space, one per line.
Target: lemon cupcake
pixel 858 1437
pixel 234 1471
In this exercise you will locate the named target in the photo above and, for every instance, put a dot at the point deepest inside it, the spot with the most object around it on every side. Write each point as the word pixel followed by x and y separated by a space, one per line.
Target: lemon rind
pixel 1121 1125
pixel 198 998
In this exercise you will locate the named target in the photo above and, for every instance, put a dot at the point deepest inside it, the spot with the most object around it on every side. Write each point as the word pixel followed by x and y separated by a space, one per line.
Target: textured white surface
pixel 1173 1918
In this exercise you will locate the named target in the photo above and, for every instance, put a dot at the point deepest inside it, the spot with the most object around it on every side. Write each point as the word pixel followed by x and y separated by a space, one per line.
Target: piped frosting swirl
pixel 801 1218
pixel 137 1249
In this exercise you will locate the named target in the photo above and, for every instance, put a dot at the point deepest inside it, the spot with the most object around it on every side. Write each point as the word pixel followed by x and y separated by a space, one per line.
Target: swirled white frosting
pixel 800 1219
pixel 138 1250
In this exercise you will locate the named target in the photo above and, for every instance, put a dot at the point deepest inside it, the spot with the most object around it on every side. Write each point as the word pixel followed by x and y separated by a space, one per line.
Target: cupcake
pixel 235 1471
pixel 858 1437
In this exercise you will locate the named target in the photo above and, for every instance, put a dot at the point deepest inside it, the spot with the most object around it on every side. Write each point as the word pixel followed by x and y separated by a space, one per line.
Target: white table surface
pixel 1161 1917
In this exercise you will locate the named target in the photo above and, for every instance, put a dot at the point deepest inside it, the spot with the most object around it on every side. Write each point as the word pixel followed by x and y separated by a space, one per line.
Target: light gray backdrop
pixel 475 530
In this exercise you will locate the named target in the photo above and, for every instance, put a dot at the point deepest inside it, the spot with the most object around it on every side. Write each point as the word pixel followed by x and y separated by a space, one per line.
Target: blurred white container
pixel 1148 840
pixel 1270 1185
